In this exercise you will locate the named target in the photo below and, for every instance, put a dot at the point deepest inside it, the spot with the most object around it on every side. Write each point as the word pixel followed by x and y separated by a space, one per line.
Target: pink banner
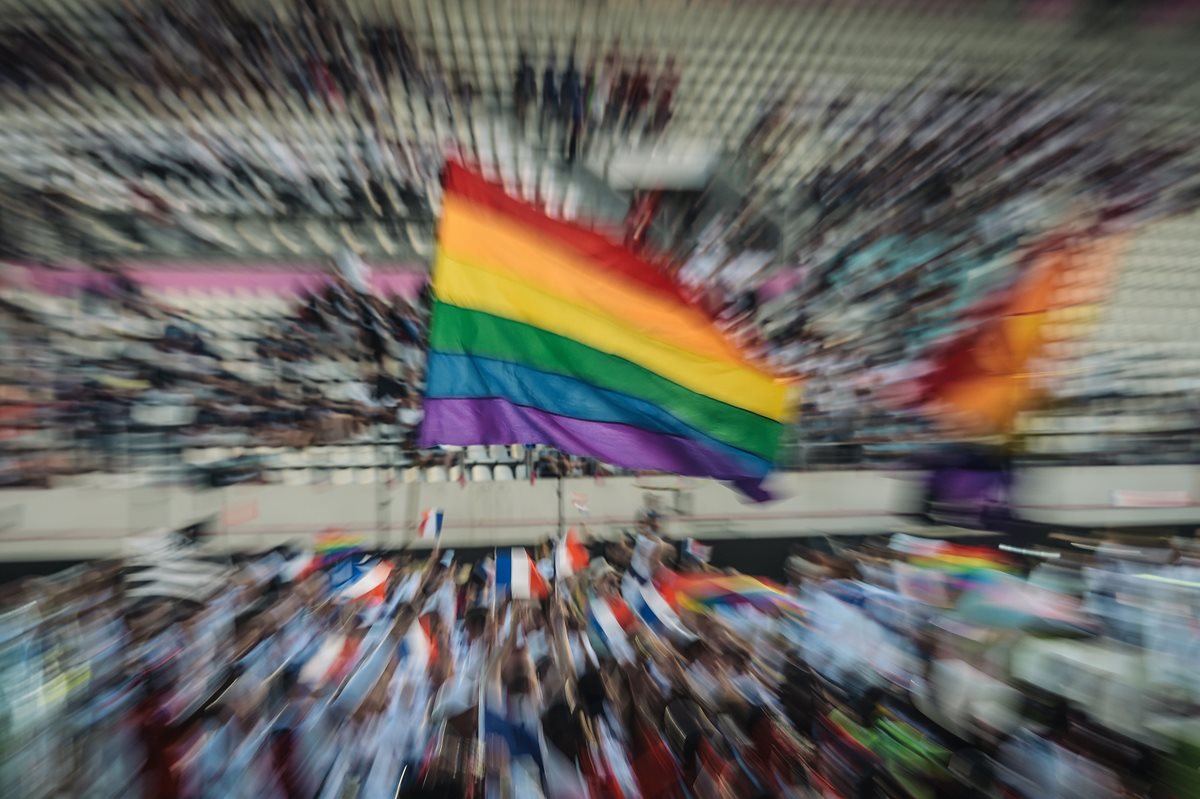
pixel 780 282
pixel 278 279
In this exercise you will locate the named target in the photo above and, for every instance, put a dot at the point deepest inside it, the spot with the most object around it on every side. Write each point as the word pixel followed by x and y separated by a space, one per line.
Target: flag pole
pixel 562 510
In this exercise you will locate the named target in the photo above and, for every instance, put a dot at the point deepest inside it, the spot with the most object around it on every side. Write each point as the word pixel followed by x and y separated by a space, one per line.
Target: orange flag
pixel 984 378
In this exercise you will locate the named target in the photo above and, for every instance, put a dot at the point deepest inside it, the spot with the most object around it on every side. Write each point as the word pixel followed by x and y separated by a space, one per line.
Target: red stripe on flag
pixel 596 248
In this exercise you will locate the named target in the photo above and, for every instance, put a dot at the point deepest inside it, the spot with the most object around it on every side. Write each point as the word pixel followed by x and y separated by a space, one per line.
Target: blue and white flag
pixel 605 626
pixel 654 611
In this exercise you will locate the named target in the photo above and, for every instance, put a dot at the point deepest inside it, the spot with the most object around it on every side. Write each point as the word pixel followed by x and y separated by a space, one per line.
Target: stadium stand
pixel 252 152
pixel 217 223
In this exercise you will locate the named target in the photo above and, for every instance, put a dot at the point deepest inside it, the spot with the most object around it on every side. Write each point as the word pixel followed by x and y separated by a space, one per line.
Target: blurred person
pixel 588 96
pixel 638 94
pixel 571 88
pixel 573 99
pixel 567 759
pixel 524 88
pixel 577 132
pixel 642 207
pixel 622 80
pixel 602 88
pixel 551 109
pixel 158 738
pixel 664 97
pixel 464 91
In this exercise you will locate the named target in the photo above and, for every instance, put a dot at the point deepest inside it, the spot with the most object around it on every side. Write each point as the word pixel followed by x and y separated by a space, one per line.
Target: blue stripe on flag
pixel 504 567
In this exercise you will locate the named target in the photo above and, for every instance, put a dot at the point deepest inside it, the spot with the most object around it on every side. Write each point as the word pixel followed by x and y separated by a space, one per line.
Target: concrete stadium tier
pixel 74 523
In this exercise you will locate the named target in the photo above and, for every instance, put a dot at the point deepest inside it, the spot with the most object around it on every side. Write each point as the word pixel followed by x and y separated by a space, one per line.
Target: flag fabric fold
pixel 546 332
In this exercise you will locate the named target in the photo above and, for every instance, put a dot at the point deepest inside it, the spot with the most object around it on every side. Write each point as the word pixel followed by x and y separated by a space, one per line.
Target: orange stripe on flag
pixel 986 377
pixel 474 235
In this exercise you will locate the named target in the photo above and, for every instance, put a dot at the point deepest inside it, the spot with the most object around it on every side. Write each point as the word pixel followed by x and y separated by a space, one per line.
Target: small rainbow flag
pixel 330 546
pixel 333 541
pixel 958 558
pixel 703 592
pixel 546 332
pixel 964 566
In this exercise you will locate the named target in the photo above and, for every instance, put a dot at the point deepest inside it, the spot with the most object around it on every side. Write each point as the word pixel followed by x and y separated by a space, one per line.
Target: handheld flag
pixel 416 649
pixel 697 551
pixel 701 593
pixel 517 573
pixel 318 664
pixel 603 623
pixel 546 332
pixel 653 610
pixel 330 547
pixel 430 524
pixel 369 586
pixel 297 567
pixel 570 556
pixel 330 662
pixel 344 573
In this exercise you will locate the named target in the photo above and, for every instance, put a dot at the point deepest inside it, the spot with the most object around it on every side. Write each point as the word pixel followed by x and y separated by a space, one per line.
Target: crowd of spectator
pixel 179 113
pixel 914 206
pixel 181 120
pixel 618 93
pixel 337 365
pixel 923 207
pixel 624 667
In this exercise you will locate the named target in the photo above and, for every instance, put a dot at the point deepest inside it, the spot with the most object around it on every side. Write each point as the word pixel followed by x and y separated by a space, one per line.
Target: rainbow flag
pixel 330 547
pixel 546 332
pixel 335 541
pixel 701 593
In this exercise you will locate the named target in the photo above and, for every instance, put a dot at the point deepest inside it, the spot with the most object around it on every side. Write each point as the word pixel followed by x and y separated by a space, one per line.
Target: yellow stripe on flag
pixel 468 286
pixel 470 234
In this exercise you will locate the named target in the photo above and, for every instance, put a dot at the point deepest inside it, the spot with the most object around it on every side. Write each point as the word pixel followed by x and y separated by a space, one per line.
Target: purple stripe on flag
pixel 497 421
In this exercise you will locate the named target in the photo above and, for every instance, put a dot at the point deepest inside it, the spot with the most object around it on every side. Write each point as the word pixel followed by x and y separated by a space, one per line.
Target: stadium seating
pixel 733 64
pixel 246 165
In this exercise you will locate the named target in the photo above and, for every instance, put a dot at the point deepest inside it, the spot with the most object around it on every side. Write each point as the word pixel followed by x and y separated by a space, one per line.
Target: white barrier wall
pixel 70 523
pixel 67 523
pixel 1102 496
